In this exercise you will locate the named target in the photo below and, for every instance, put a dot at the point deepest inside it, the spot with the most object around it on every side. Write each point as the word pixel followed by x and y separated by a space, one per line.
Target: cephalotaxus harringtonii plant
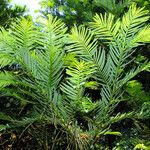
pixel 56 69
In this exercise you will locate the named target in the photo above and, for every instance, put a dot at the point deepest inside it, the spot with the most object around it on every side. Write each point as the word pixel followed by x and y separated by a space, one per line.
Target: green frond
pixel 145 111
pixel 6 43
pixel 134 19
pixel 99 59
pixel 120 117
pixel 113 133
pixel 132 74
pixel 53 33
pixel 38 50
pixel 105 27
pixel 19 41
pixel 51 43
pixel 83 46
pixel 6 79
pixel 82 43
pixel 5 60
pixel 106 94
pixel 132 22
pixel 10 81
pixel 99 112
pixel 140 146
pixel 69 59
pixel 5 117
pixel 24 122
pixel 24 33
pixel 50 70
pixel 143 36
pixel 78 75
pixel 3 127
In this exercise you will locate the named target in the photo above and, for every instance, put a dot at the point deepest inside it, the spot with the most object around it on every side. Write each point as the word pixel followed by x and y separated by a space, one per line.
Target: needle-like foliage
pixel 54 72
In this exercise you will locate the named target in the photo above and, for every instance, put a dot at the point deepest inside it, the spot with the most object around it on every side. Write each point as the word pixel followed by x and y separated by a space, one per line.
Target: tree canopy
pixel 82 11
pixel 9 13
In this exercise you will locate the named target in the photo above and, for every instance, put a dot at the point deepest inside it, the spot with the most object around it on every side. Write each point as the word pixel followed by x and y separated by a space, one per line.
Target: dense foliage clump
pixel 75 90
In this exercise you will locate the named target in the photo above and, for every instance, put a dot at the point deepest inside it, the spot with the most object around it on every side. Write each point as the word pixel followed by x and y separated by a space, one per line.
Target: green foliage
pixel 141 146
pixel 134 89
pixel 8 13
pixel 82 11
pixel 144 3
pixel 55 70
pixel 138 98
